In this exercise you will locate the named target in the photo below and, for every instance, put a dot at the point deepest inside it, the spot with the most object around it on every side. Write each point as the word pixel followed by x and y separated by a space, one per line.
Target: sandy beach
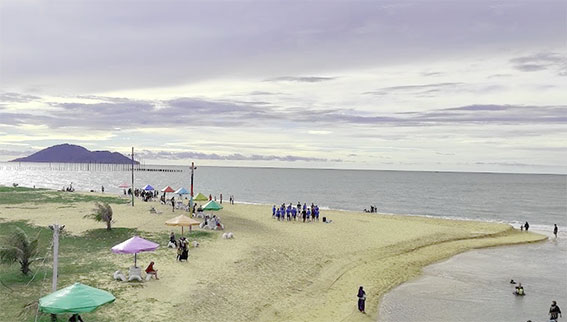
pixel 271 271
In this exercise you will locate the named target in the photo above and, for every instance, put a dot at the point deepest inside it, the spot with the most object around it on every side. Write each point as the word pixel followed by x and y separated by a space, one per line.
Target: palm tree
pixel 19 248
pixel 102 212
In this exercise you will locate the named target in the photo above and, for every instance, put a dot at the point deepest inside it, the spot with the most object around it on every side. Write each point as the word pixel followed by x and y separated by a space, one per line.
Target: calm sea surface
pixel 512 198
pixel 469 287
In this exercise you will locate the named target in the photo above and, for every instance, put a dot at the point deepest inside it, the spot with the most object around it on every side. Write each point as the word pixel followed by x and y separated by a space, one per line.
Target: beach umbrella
pixel 182 191
pixel 124 185
pixel 134 246
pixel 182 221
pixel 148 188
pixel 77 298
pixel 212 205
pixel 200 197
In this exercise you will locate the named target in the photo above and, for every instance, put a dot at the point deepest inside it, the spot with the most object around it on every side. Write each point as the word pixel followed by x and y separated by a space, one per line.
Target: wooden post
pixel 132 177
pixel 56 230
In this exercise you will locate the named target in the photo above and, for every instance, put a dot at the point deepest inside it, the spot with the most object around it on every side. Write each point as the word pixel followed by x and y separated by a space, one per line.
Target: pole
pixel 191 199
pixel 132 177
pixel 56 230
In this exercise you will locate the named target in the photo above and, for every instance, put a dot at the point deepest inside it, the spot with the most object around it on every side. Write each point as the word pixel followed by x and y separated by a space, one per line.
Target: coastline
pixel 278 271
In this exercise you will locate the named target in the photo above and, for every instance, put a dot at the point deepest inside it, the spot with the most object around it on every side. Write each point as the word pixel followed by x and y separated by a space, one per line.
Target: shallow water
pixel 474 286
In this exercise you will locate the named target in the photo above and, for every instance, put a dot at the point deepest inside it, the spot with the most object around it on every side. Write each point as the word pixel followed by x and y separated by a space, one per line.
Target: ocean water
pixel 474 286
pixel 468 287
pixel 511 198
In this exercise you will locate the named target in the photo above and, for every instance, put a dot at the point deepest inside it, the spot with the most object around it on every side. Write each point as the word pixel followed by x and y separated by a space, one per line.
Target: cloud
pixel 541 61
pixel 17 98
pixel 234 156
pixel 415 89
pixel 305 79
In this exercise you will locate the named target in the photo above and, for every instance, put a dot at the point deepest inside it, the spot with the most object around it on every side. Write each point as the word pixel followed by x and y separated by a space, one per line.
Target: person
pixel 102 189
pixel 75 318
pixel 526 226
pixel 182 251
pixel 150 270
pixel 512 282
pixel 172 241
pixel 361 299
pixel 522 227
pixel 520 289
pixel 274 211
pixel 173 204
pixel 210 197
pixel 554 312
pixel 555 230
pixel 221 198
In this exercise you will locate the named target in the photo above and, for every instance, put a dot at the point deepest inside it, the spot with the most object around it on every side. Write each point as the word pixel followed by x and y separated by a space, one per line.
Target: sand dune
pixel 277 271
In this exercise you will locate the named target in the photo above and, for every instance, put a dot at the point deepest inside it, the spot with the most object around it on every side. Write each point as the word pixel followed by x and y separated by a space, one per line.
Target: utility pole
pixel 132 177
pixel 191 199
pixel 56 230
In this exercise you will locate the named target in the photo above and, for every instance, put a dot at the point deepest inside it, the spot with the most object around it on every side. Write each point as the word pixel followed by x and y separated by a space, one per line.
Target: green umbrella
pixel 77 298
pixel 212 205
pixel 200 197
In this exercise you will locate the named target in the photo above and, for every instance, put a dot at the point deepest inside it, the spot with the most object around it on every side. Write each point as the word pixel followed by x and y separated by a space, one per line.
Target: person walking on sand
pixel 555 230
pixel 172 204
pixel 361 299
pixel 554 312
pixel 526 226
pixel 221 198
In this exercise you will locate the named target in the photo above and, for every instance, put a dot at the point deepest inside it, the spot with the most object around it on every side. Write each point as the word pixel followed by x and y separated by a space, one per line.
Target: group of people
pixel 526 227
pixel 519 289
pixel 554 310
pixel 372 209
pixel 181 245
pixel 291 212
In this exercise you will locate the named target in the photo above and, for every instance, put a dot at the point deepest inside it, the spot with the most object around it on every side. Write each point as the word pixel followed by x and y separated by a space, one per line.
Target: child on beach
pixel 151 271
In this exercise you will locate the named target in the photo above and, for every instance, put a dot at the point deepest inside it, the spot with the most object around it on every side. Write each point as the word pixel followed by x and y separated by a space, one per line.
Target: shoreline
pixel 280 271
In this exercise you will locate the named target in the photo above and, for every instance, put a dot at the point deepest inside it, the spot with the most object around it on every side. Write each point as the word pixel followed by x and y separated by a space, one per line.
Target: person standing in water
pixel 526 226
pixel 555 230
pixel 554 312
pixel 361 299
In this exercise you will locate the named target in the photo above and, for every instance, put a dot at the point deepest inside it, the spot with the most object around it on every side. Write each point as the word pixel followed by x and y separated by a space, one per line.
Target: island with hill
pixel 70 153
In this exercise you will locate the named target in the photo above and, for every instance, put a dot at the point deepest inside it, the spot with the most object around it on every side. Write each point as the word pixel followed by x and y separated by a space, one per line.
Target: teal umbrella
pixel 212 205
pixel 77 298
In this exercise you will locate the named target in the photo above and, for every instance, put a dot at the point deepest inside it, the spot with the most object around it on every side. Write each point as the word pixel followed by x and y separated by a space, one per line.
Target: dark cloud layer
pixel 192 112
pixel 232 157
pixel 541 61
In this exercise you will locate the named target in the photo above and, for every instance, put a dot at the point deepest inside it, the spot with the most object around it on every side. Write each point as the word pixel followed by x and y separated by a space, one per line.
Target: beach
pixel 276 271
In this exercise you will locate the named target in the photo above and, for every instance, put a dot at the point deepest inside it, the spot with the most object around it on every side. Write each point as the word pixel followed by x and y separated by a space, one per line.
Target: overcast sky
pixel 401 85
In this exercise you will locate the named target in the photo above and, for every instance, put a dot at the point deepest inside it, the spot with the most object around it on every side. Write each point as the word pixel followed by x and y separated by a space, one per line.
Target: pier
pixel 51 166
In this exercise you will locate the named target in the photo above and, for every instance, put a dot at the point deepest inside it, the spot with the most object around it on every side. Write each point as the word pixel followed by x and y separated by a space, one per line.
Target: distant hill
pixel 70 153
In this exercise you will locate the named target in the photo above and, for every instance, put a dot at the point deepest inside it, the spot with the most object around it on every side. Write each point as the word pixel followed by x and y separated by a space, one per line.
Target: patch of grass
pixel 19 195
pixel 81 259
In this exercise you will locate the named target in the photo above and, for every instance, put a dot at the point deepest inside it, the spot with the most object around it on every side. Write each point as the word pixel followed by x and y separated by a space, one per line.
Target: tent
pixel 148 188
pixel 182 191
pixel 124 185
pixel 77 298
pixel 182 221
pixel 212 205
pixel 134 246
pixel 167 189
pixel 200 197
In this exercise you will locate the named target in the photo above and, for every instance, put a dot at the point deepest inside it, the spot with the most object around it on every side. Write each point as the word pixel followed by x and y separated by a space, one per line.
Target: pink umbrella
pixel 134 245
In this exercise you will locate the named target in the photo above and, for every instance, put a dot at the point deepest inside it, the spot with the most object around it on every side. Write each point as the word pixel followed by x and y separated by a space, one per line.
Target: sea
pixel 473 286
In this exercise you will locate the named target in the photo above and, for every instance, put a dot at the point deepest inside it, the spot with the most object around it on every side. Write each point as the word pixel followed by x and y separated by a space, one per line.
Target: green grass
pixel 82 258
pixel 19 195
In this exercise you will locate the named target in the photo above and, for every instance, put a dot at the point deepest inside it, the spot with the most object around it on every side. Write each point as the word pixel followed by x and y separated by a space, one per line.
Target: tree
pixel 19 248
pixel 102 212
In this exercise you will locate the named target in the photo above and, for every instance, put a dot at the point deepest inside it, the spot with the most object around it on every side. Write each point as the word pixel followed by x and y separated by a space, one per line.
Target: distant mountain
pixel 70 153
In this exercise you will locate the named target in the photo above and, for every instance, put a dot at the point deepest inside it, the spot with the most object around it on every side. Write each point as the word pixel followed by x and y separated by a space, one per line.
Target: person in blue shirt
pixel 288 213
pixel 294 213
pixel 308 213
pixel 278 213
pixel 274 211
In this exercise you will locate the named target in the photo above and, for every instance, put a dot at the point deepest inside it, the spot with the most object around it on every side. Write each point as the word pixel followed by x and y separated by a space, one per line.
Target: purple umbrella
pixel 134 245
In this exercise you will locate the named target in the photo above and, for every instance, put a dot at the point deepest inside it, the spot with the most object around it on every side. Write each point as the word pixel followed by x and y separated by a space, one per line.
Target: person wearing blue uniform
pixel 308 213
pixel 274 211
pixel 294 213
pixel 278 214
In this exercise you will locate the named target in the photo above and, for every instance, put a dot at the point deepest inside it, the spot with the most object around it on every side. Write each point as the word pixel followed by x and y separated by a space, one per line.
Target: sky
pixel 475 86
